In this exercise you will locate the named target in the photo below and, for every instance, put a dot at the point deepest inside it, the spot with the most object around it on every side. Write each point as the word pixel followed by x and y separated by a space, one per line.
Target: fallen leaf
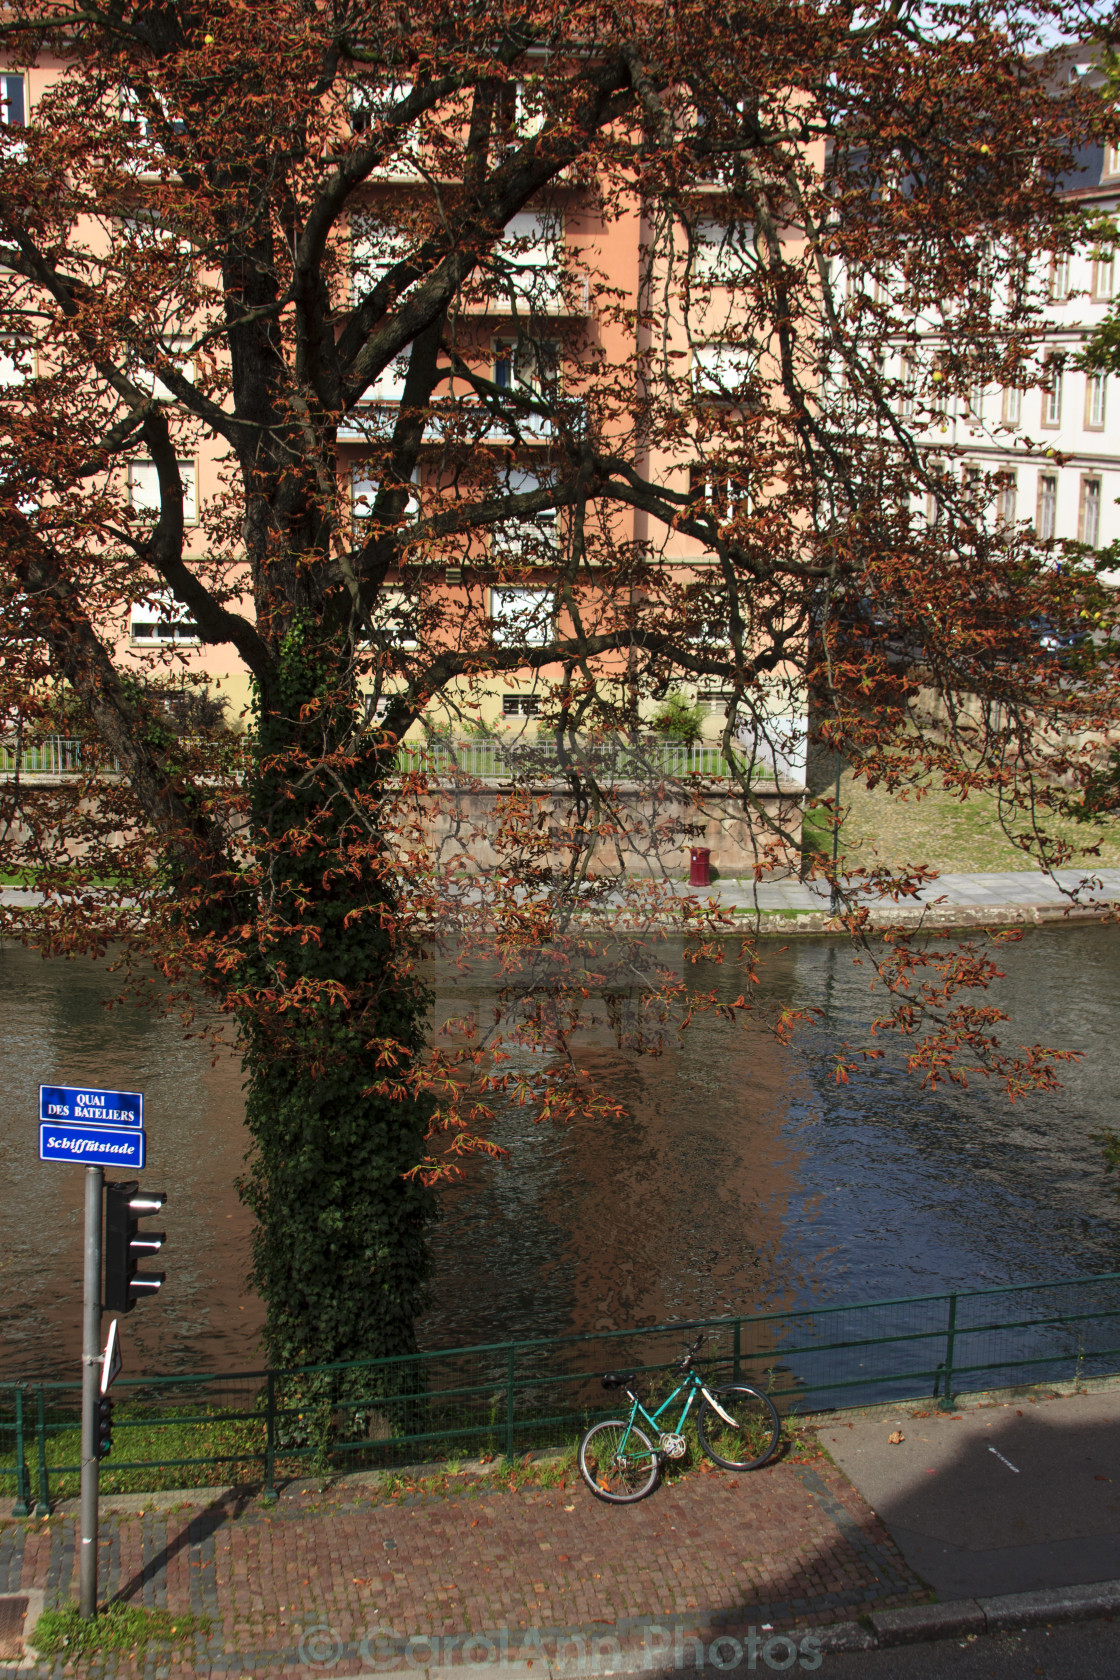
pixel 1102 1478
pixel 895 1438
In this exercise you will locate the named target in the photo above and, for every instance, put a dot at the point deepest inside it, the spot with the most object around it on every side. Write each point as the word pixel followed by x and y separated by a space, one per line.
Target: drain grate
pixel 13 1609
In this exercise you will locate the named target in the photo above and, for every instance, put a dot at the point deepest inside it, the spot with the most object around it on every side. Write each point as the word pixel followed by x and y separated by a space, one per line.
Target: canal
pixel 739 1176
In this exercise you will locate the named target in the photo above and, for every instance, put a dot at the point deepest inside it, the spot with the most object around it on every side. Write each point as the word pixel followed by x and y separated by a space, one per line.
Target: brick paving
pixel 343 1581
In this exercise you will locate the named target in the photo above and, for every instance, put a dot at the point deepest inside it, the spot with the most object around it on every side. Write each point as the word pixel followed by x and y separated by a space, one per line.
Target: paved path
pixel 1028 888
pixel 995 1499
pixel 343 1582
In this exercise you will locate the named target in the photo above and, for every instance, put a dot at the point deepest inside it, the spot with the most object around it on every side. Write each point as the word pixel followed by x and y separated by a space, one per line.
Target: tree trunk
pixel 340 1255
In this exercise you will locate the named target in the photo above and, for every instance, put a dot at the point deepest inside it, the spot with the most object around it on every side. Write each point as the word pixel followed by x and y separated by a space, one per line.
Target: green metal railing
pixel 501 1399
pixel 481 758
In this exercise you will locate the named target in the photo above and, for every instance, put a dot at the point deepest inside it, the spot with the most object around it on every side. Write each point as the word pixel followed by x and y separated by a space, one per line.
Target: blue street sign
pixel 118 1146
pixel 78 1104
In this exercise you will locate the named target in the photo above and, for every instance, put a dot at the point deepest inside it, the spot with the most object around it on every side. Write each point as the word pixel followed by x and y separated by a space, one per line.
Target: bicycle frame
pixel 695 1385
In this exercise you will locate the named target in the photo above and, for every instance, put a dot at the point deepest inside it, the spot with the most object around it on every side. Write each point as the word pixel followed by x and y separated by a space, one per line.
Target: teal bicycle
pixel 738 1428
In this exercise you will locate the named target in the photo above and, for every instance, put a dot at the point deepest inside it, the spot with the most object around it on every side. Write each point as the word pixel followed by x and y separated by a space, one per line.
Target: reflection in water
pixel 738 1178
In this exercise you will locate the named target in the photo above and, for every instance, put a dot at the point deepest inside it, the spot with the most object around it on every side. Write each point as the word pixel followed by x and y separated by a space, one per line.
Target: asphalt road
pixel 1075 1651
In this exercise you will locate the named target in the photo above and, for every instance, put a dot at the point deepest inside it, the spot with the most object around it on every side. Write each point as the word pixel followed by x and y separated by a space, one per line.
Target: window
pixel 159 619
pixel 370 104
pixel 1047 516
pixel 722 253
pixel 721 371
pixel 13 102
pixel 395 621
pixel 1089 517
pixel 1012 405
pixel 1112 160
pixel 519 112
pixel 529 365
pixel 17 365
pixel 526 258
pixel 1103 272
pixel 148 380
pixel 1094 402
pixel 975 407
pixel 143 488
pixel 522 616
pixel 522 531
pixel 521 705
pixel 1007 495
pixel 363 491
pixel 908 380
pixel 1052 392
pixel 724 494
pixel 375 248
pixel 1059 279
pixel 388 386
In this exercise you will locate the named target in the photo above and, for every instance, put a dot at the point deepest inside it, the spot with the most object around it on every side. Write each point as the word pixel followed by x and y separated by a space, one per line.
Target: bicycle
pixel 738 1428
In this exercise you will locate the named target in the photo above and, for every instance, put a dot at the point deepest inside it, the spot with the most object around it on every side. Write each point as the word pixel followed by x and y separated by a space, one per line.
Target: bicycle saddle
pixel 618 1379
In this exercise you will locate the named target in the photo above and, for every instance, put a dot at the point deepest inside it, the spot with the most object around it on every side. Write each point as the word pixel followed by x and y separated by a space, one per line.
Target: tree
pixel 262 233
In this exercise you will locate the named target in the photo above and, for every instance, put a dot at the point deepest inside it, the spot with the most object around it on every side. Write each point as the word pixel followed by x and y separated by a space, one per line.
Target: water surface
pixel 739 1177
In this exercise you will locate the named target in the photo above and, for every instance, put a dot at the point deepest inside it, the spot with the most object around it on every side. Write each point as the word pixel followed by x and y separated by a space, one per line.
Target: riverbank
pixel 790 907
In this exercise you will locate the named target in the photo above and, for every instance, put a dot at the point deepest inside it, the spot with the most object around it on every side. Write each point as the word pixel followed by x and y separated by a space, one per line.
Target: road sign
pixel 80 1105
pixel 93 1146
pixel 111 1361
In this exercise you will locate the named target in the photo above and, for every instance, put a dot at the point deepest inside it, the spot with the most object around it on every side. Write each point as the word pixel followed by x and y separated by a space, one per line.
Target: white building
pixel 1052 449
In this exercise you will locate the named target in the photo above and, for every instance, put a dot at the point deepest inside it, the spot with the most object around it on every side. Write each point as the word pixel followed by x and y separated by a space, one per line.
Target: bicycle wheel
pixel 620 1474
pixel 750 1439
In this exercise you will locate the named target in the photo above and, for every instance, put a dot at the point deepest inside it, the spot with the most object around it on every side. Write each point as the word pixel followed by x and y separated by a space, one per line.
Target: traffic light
pixel 104 1426
pixel 126 1245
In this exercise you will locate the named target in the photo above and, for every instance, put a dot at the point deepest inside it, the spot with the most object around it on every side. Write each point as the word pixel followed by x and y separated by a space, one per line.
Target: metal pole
pixel 22 1506
pixel 945 1404
pixel 91 1382
pixel 834 905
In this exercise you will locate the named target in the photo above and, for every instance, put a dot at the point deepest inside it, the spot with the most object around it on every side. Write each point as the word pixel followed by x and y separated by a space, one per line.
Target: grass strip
pixel 117 1627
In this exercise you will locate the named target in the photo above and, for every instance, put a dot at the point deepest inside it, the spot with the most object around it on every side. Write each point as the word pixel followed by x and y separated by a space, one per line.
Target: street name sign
pixel 115 1146
pixel 78 1104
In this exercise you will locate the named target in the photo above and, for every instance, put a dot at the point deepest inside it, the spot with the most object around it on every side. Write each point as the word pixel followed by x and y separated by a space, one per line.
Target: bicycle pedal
pixel 673 1446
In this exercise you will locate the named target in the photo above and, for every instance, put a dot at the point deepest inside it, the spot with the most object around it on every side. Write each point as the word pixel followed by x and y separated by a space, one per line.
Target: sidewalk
pixel 1006 895
pixel 1004 1498
pixel 344 1581
pixel 1000 1498
pixel 1016 889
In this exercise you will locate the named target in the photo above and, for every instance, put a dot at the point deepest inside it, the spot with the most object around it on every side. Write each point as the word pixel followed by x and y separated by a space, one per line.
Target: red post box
pixel 699 859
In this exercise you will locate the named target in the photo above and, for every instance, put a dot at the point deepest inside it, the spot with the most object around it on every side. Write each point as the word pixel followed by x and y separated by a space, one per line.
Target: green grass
pixel 117 1627
pixel 945 832
pixel 140 1436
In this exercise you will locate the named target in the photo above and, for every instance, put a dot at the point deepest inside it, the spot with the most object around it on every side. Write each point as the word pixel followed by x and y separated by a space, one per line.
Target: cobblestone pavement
pixel 342 1582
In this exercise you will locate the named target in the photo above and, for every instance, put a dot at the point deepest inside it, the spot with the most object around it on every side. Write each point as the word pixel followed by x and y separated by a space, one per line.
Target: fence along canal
pixel 506 1398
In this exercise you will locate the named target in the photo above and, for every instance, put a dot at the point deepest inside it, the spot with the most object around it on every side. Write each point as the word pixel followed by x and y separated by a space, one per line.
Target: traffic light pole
pixel 91 1379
